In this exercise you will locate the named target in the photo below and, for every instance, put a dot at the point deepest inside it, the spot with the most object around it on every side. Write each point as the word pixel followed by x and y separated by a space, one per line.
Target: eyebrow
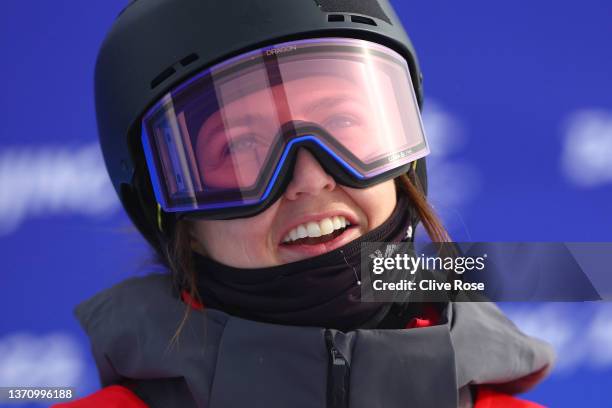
pixel 328 102
pixel 242 120
pixel 324 103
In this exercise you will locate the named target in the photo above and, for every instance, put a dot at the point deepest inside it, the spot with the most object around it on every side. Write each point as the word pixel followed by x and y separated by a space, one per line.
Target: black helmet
pixel 155 44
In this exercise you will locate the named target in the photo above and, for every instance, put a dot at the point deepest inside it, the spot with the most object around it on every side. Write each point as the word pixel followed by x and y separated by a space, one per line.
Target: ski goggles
pixel 223 144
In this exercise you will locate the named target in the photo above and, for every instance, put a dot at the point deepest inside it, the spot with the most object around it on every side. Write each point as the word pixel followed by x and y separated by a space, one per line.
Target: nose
pixel 308 177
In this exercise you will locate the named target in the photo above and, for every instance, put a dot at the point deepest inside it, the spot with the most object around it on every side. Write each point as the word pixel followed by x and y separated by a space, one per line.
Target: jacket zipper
pixel 337 375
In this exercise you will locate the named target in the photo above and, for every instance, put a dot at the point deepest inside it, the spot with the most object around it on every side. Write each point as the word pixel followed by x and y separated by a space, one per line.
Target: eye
pixel 340 122
pixel 241 144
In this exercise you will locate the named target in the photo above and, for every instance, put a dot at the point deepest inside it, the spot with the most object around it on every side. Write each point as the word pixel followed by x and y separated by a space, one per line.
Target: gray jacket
pixel 221 361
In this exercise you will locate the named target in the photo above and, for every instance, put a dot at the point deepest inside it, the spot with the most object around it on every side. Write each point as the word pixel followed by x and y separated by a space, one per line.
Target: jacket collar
pixel 227 361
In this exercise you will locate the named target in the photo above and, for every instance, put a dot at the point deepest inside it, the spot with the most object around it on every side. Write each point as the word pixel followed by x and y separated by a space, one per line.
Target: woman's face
pixel 314 215
pixel 311 197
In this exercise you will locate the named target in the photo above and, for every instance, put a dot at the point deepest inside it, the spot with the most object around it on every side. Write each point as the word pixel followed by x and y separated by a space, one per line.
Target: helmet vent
pixel 189 59
pixel 371 8
pixel 167 73
pixel 363 20
pixel 333 18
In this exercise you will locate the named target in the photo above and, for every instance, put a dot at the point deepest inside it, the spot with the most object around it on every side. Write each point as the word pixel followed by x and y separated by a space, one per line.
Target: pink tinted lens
pixel 357 101
pixel 221 131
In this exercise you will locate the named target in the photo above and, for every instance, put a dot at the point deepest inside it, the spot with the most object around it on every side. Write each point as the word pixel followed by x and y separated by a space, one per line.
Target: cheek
pixel 239 243
pixel 377 202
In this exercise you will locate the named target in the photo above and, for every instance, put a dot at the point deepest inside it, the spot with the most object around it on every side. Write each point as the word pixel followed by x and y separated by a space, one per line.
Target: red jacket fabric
pixel 117 396
pixel 114 396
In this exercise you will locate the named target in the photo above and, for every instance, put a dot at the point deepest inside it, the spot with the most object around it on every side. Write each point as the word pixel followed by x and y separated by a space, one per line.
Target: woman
pixel 256 145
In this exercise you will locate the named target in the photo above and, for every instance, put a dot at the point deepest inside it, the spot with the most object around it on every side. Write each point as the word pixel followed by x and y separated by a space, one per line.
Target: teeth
pixel 327 226
pixel 336 221
pixel 316 229
pixel 302 232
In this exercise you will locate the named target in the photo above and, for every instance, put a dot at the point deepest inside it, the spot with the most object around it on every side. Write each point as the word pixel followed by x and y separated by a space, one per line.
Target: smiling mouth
pixel 317 232
pixel 317 240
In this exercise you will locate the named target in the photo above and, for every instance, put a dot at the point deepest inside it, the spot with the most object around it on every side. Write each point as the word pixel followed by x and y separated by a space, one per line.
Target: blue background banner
pixel 517 109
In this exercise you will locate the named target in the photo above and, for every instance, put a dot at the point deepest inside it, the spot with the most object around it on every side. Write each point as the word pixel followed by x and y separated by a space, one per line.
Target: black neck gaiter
pixel 321 291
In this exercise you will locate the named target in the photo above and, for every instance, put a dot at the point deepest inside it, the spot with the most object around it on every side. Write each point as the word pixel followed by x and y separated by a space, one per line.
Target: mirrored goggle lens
pixel 217 141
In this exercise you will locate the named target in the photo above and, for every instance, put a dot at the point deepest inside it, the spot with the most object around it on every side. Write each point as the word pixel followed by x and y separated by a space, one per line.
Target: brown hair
pixel 175 254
